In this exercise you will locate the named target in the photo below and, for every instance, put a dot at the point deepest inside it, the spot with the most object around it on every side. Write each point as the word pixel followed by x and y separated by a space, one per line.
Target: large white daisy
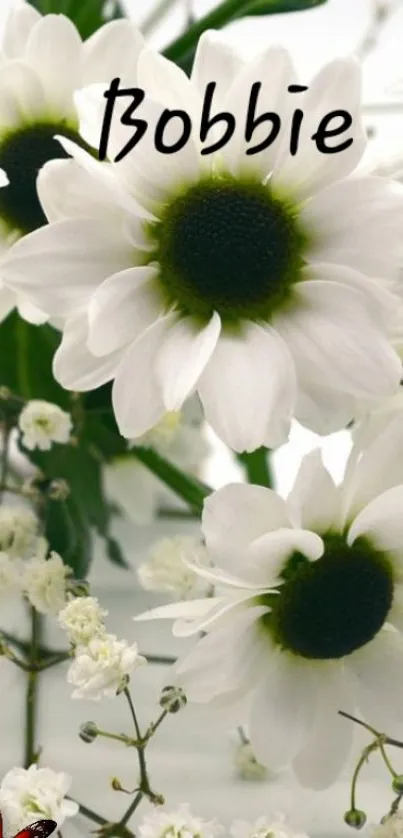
pixel 309 614
pixel 251 279
pixel 42 63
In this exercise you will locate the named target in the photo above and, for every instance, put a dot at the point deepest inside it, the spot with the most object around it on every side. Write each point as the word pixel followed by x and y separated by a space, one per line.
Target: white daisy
pixel 250 279
pixel 310 615
pixel 43 62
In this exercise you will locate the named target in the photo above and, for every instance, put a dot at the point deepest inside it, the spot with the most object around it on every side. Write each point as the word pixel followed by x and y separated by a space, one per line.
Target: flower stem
pixel 31 752
pixel 188 488
pixel 4 459
pixel 257 467
pixel 92 816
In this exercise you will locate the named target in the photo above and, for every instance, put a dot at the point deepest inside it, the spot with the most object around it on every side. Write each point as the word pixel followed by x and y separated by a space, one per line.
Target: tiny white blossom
pixel 166 570
pixel 28 795
pixel 391 828
pixel 102 667
pixel 264 827
pixel 10 575
pixel 177 824
pixel 42 423
pixel 247 766
pixel 44 583
pixel 82 619
pixel 18 530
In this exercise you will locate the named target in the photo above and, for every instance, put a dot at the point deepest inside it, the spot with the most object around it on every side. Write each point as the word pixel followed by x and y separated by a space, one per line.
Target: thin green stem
pixel 363 759
pixel 90 814
pixel 132 808
pixel 257 467
pixel 191 490
pixel 31 751
pixel 4 459
pixel 386 760
pixel 155 725
pixel 160 659
pixel 118 737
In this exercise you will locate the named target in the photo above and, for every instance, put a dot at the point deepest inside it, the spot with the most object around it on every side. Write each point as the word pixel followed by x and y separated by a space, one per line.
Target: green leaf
pixel 87 15
pixel 69 534
pixel 181 51
pixel 26 354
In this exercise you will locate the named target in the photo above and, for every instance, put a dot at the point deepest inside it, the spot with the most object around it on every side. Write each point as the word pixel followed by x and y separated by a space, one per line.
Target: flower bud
pixel 172 699
pixel 397 784
pixel 116 784
pixel 79 588
pixel 355 818
pixel 88 732
pixel 59 489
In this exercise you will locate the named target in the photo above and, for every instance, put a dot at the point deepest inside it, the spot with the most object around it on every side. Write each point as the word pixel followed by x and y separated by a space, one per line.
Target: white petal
pixel 7 301
pixel 184 610
pixel 275 71
pixel 145 171
pixel 216 61
pixel 111 52
pixel 21 88
pixel 121 309
pixel 326 750
pixel 232 604
pixel 221 577
pixel 314 499
pixel 74 366
pixel 395 616
pixel 59 266
pixel 185 351
pixel 66 190
pixel 378 467
pixel 227 660
pixel 332 335
pixel 382 521
pixel 236 515
pixel 19 24
pixel 356 222
pixel 248 389
pixel 321 409
pixel 166 83
pixel 54 50
pixel 283 710
pixel 30 312
pixel 336 87
pixel 268 554
pixel 136 396
pixel 378 667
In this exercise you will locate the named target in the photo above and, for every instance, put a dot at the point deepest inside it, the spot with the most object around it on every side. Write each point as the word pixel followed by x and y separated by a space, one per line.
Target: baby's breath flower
pixel 247 766
pixel 391 827
pixel 166 571
pixel 178 824
pixel 18 530
pixel 42 423
pixel 264 827
pixel 44 583
pixel 82 619
pixel 102 667
pixel 28 795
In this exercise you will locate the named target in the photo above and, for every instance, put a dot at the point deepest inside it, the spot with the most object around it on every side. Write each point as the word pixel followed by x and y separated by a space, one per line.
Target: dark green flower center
pixel 22 155
pixel 230 246
pixel 329 608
